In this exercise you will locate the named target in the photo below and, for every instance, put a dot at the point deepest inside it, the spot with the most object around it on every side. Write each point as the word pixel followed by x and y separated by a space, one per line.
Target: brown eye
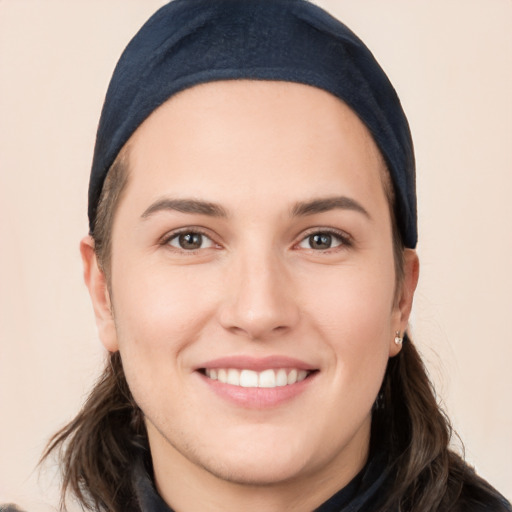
pixel 322 241
pixel 190 241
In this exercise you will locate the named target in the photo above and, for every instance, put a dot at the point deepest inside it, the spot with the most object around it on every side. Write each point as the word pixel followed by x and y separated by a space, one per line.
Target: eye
pixel 323 240
pixel 190 241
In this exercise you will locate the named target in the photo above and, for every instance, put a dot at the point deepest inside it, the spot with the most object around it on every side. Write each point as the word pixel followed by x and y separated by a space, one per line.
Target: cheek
pixel 158 315
pixel 161 303
pixel 352 303
pixel 353 315
pixel 161 311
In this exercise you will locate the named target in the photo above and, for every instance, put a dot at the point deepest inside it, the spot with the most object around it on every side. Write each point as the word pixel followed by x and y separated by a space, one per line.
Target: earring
pixel 398 338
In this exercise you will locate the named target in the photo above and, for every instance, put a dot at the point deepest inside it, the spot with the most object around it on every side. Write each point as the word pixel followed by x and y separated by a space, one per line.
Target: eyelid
pixel 165 239
pixel 346 240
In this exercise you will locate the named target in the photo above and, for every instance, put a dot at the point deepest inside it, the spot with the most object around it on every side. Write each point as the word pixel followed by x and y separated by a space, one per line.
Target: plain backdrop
pixel 450 61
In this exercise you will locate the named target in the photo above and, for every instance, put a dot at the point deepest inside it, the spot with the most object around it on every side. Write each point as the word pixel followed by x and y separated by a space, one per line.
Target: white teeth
pixel 292 377
pixel 233 377
pixel 281 378
pixel 267 379
pixel 250 379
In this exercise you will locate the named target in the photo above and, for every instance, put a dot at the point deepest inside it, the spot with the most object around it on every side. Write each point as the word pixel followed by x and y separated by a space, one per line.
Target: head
pixel 247 256
pixel 253 231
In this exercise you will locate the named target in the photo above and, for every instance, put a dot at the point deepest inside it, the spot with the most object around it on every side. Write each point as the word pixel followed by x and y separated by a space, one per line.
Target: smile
pixel 270 378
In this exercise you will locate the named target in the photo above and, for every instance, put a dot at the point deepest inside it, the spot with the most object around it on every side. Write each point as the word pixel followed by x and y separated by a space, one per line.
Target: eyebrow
pixel 302 208
pixel 185 206
pixel 325 204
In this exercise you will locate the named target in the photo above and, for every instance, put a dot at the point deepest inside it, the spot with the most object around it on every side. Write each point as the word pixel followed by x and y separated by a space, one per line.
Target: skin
pixel 257 287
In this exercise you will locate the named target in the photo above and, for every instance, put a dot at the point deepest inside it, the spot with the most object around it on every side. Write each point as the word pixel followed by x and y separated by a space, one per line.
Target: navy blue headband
pixel 188 42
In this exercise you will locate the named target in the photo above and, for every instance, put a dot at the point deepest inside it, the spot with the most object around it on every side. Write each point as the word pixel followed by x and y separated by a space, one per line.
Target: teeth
pixel 281 378
pixel 250 379
pixel 292 377
pixel 233 377
pixel 267 379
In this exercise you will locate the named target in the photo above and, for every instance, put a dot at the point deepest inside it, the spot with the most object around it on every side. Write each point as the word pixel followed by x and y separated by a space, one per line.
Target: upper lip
pixel 257 364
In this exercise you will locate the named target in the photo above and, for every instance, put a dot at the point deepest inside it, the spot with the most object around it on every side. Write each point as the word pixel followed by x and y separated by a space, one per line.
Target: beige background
pixel 450 60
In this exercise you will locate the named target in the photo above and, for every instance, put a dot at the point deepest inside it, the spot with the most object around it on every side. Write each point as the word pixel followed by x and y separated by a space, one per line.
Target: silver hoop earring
pixel 398 338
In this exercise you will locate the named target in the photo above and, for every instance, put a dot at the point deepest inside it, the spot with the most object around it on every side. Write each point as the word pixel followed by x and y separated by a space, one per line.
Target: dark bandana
pixel 188 42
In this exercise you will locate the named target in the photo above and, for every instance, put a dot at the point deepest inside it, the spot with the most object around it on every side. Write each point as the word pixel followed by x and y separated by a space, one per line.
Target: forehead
pixel 210 112
pixel 249 135
pixel 252 102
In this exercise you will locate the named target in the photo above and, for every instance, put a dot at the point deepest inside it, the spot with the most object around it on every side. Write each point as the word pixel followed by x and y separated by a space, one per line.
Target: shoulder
pixel 477 495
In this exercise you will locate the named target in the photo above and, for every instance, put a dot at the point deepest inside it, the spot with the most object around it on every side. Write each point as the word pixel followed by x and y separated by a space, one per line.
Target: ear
pixel 403 305
pixel 96 282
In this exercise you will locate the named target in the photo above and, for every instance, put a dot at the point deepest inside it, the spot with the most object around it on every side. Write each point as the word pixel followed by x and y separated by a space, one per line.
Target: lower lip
pixel 258 398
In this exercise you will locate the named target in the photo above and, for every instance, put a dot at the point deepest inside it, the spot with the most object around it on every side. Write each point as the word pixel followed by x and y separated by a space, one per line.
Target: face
pixel 253 287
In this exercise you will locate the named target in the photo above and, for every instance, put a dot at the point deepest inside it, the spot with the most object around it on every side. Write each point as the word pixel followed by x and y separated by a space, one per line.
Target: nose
pixel 260 302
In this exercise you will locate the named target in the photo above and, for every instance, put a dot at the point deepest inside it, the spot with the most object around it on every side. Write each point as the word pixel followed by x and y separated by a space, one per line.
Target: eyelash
pixel 166 240
pixel 345 240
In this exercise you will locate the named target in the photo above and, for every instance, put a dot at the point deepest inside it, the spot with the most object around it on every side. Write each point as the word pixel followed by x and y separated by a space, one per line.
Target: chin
pixel 254 456
pixel 260 471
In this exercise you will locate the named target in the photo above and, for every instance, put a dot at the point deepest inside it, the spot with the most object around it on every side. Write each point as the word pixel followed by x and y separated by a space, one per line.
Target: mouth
pixel 258 382
pixel 268 378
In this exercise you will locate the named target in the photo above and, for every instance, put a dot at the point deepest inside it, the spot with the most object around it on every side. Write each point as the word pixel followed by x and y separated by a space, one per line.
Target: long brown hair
pixel 106 438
